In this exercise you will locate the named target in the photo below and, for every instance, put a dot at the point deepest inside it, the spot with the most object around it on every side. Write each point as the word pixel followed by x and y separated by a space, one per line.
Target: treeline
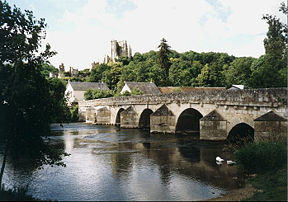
pixel 191 69
pixel 169 68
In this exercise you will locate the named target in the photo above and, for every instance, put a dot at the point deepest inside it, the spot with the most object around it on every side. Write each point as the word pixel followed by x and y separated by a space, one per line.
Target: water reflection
pixel 108 163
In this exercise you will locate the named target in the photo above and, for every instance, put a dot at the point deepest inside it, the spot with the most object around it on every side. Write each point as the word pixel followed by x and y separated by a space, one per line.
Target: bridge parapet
pixel 271 97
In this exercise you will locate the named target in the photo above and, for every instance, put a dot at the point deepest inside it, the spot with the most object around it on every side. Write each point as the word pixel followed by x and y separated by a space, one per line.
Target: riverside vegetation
pixel 268 160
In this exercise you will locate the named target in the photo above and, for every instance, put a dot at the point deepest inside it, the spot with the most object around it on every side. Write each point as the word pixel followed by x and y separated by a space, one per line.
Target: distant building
pixel 73 72
pixel 145 87
pixel 75 90
pixel 61 71
pixel 236 87
pixel 172 89
pixel 119 49
pixel 53 75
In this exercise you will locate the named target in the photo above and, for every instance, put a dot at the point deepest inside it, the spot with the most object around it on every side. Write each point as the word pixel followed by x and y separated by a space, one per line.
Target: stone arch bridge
pixel 213 114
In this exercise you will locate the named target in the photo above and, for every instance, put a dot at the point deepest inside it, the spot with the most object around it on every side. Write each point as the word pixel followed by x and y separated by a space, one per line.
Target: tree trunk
pixel 3 165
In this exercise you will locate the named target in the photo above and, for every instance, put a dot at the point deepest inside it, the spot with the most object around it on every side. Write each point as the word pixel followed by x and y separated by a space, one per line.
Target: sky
pixel 80 31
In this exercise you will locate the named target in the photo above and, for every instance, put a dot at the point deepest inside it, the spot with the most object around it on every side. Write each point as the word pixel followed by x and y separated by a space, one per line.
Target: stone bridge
pixel 215 115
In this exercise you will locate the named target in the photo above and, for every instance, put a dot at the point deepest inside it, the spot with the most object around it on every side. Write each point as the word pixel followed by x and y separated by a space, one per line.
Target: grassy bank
pixel 268 160
pixel 271 186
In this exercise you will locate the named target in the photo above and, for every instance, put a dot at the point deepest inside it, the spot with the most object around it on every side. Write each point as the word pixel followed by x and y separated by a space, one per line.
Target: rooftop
pixel 84 86
pixel 144 87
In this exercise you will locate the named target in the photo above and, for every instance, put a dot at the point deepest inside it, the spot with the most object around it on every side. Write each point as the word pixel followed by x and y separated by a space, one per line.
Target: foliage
pixel 15 194
pixel 60 111
pixel 97 72
pixel 47 68
pixel 21 36
pixel 125 93
pixel 136 91
pixel 238 71
pixel 272 72
pixel 96 94
pixel 74 113
pixel 26 103
pixel 262 156
pixel 163 57
pixel 273 185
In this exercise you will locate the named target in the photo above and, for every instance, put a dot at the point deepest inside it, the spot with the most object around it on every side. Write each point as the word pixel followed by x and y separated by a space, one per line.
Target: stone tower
pixel 120 49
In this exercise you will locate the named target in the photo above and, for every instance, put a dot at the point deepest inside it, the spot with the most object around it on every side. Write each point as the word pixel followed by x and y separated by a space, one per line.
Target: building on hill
pixel 73 72
pixel 61 71
pixel 75 90
pixel 171 89
pixel 145 87
pixel 119 49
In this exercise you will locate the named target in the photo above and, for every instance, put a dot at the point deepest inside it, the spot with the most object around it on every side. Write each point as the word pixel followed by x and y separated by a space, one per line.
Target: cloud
pixel 230 26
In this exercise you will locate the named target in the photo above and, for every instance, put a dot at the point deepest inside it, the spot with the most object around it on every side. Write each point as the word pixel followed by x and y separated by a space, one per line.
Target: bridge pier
pixel 213 123
pixel 162 121
pixel 270 126
pixel 129 118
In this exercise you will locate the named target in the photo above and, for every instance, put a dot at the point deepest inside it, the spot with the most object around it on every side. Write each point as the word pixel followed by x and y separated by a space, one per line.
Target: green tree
pixel 96 94
pixel 60 111
pixel 47 68
pixel 97 72
pixel 163 57
pixel 239 71
pixel 25 101
pixel 273 69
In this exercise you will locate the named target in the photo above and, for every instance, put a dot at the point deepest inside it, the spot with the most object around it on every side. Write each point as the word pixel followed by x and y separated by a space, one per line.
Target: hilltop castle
pixel 118 49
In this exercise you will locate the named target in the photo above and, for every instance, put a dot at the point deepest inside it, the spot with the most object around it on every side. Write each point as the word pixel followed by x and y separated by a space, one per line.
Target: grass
pixel 272 186
pixel 268 160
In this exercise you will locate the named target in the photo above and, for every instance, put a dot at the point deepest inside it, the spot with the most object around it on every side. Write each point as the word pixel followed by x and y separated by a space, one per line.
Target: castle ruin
pixel 118 49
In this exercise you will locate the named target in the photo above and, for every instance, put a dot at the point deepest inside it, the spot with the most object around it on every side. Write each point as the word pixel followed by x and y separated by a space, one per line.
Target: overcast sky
pixel 81 30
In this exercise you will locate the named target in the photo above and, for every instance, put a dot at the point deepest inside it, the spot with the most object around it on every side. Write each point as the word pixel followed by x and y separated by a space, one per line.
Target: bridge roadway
pixel 216 115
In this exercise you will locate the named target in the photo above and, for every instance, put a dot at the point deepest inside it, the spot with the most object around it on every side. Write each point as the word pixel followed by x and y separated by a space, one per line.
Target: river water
pixel 108 163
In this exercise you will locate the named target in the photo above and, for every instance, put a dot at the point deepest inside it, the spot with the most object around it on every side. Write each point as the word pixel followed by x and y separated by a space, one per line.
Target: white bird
pixel 229 162
pixel 219 159
pixel 218 163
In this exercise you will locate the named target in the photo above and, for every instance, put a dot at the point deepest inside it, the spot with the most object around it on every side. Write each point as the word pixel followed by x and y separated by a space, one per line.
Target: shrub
pixel 262 156
pixel 136 91
pixel 96 94
pixel 74 114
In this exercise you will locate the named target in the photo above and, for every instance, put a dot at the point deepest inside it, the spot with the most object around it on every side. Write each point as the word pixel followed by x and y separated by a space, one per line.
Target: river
pixel 108 163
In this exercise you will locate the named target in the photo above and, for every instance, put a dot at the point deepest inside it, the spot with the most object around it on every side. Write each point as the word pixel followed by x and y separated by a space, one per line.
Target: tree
pixel 25 101
pixel 273 69
pixel 47 68
pixel 60 111
pixel 163 57
pixel 239 71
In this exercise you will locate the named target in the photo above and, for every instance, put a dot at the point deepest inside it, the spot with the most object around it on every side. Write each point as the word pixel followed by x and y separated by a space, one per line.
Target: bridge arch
pixel 189 122
pixel 144 120
pixel 117 121
pixel 241 133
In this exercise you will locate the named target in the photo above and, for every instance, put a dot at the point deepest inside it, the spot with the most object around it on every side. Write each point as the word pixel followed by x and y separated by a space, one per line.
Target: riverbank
pixel 268 186
pixel 16 195
pixel 237 194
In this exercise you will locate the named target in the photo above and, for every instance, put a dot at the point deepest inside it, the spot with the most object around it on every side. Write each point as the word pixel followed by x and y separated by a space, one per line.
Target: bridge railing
pixel 248 97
